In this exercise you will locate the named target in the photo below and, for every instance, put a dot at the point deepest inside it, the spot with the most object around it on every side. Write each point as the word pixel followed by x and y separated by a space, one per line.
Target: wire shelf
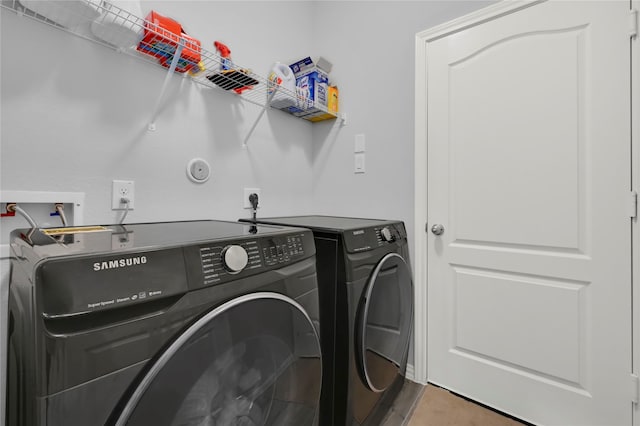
pixel 107 24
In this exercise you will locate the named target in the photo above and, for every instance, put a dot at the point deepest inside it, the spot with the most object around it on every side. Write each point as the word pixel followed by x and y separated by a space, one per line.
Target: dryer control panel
pixel 219 262
pixel 358 240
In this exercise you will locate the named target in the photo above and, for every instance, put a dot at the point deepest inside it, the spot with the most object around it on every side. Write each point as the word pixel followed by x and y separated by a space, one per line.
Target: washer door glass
pixel 383 328
pixel 254 360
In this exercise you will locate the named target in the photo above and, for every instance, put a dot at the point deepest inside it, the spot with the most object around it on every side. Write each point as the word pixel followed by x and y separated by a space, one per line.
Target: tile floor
pixel 430 405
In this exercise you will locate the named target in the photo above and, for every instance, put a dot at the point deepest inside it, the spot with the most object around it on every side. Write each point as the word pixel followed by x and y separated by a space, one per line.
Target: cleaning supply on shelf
pixel 316 99
pixel 120 24
pixel 161 38
pixel 197 69
pixel 225 55
pixel 311 89
pixel 311 82
pixel 67 13
pixel 228 76
pixel 332 107
pixel 282 81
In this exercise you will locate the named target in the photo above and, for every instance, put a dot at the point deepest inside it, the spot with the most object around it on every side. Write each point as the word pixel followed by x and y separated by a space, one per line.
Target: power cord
pixel 124 201
pixel 253 199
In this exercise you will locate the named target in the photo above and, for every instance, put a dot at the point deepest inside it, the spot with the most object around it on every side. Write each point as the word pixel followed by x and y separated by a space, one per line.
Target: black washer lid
pixel 326 223
pixel 53 242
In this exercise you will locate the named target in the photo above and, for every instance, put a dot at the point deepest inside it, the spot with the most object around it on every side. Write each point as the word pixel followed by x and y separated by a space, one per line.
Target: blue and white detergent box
pixel 306 65
pixel 302 65
pixel 311 89
pixel 312 84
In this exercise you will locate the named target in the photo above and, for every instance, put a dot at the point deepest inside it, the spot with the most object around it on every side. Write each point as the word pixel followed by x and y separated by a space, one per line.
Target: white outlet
pixel 245 196
pixel 121 240
pixel 122 189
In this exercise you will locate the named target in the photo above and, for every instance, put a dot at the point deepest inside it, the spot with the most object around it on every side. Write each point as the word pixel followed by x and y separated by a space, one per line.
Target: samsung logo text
pixel 119 263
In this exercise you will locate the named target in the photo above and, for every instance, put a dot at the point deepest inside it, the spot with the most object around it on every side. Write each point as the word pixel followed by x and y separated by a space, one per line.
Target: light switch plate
pixel 358 165
pixel 359 144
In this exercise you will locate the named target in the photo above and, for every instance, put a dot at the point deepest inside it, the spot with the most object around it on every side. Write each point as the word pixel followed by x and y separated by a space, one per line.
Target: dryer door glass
pixel 383 327
pixel 252 361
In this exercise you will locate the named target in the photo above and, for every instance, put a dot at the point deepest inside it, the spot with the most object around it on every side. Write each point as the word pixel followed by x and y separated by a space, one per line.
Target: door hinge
pixel 635 388
pixel 633 204
pixel 633 23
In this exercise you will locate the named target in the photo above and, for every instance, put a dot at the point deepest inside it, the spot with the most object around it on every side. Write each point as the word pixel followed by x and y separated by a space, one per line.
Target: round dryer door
pixel 254 360
pixel 384 323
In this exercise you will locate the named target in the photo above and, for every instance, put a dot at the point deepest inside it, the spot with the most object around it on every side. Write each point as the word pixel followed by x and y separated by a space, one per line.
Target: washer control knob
pixel 234 258
pixel 386 234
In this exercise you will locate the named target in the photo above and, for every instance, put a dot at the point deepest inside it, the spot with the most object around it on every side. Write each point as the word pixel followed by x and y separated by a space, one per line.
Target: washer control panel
pixel 280 250
pixel 215 263
pixel 234 258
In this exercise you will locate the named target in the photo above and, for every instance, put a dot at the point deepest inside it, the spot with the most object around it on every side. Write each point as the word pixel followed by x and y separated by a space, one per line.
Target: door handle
pixel 437 229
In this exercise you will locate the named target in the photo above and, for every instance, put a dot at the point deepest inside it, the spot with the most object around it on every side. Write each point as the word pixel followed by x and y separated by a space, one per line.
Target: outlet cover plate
pixel 120 189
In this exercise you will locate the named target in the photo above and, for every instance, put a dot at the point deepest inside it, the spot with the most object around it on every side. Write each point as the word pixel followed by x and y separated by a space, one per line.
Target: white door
pixel 528 146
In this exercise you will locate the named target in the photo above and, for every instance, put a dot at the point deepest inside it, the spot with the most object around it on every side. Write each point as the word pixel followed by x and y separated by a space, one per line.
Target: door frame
pixel 635 186
pixel 422 40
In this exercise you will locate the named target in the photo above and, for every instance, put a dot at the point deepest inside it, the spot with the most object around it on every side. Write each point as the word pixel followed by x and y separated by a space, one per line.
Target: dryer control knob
pixel 386 234
pixel 234 258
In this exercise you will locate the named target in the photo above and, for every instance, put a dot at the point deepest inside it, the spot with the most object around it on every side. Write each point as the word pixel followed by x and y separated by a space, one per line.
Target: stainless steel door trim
pixel 187 334
pixel 365 309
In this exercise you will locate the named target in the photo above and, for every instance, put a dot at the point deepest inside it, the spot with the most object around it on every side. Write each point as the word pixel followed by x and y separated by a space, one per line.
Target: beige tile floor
pixel 439 407
pixel 430 405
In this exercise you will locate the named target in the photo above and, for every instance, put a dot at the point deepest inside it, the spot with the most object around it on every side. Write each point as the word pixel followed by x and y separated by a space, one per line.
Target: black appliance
pixel 198 323
pixel 366 313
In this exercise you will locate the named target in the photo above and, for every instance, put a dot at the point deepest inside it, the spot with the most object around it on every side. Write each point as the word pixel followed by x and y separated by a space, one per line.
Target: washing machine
pixel 177 323
pixel 366 311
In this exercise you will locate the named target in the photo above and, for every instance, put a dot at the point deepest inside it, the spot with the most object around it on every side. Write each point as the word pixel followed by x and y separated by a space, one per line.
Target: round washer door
pixel 254 360
pixel 384 323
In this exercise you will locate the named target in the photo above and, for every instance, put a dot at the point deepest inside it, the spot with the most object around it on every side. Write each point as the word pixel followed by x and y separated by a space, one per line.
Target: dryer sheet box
pixel 312 86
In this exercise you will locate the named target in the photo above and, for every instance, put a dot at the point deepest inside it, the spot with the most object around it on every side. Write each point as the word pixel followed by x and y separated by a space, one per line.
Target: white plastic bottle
pixel 283 82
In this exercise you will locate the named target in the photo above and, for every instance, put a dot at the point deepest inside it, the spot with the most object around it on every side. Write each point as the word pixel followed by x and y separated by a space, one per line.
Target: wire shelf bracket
pixel 167 78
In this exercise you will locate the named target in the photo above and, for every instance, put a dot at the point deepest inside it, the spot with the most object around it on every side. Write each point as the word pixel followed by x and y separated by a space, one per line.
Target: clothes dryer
pixel 178 323
pixel 366 312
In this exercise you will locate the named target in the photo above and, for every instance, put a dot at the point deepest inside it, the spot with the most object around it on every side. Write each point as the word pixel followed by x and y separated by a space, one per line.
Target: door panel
pixel 529 173
pixel 480 305
pixel 546 139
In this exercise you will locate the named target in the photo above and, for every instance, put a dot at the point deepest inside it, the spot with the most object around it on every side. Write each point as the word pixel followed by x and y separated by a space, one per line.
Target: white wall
pixel 74 115
pixel 372 46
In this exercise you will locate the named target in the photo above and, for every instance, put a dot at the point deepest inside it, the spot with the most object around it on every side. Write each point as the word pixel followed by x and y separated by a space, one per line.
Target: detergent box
pixel 306 66
pixel 332 107
pixel 311 89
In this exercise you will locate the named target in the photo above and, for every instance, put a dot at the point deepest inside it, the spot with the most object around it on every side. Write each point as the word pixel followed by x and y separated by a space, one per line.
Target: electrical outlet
pixel 122 189
pixel 248 191
pixel 122 240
